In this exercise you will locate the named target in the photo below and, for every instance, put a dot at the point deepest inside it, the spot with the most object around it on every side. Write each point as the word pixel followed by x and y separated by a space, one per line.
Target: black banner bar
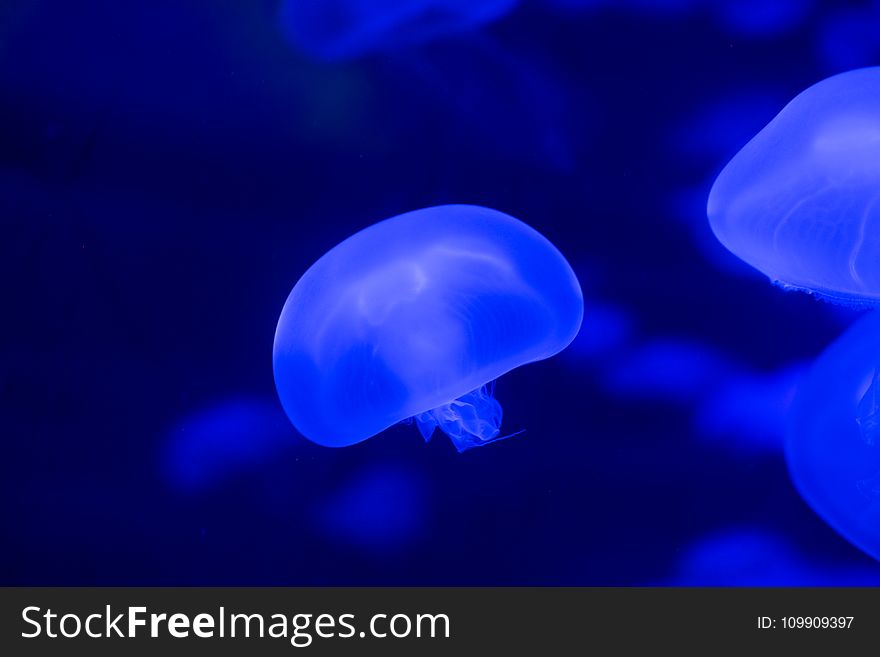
pixel 430 621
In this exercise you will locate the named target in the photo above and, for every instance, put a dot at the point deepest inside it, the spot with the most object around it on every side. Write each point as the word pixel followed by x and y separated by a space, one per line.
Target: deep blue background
pixel 169 169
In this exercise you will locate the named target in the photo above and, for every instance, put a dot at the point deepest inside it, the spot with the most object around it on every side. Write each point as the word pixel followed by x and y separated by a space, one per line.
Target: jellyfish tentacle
pixel 471 420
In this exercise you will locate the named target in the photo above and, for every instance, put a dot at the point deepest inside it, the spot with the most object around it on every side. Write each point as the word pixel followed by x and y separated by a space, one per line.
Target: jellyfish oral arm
pixel 470 421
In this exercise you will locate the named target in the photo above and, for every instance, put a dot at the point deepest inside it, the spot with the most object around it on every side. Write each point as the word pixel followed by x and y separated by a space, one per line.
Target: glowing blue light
pixel 749 18
pixel 848 37
pixel 381 509
pixel 833 441
pixel 660 7
pixel 799 200
pixel 761 18
pixel 413 316
pixel 525 107
pixel 749 411
pixel 751 556
pixel 607 330
pixel 337 29
pixel 669 370
pixel 223 439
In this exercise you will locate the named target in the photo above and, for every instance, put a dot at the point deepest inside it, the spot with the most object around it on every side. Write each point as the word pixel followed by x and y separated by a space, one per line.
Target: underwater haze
pixel 170 170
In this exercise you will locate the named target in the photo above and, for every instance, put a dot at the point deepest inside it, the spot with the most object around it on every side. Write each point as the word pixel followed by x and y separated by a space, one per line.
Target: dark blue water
pixel 168 171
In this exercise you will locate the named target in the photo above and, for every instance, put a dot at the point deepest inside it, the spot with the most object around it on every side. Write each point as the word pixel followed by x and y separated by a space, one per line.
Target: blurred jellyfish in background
pixel 223 440
pixel 731 405
pixel 669 370
pixel 525 105
pixel 606 330
pixel 833 438
pixel 341 29
pixel 847 37
pixel 760 18
pixel 749 411
pixel 752 556
pixel 380 509
pixel 799 201
pixel 744 18
pixel 415 317
pixel 649 7
pixel 712 134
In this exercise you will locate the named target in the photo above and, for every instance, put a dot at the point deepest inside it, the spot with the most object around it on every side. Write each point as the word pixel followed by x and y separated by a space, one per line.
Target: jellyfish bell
pixel 833 435
pixel 799 202
pixel 414 318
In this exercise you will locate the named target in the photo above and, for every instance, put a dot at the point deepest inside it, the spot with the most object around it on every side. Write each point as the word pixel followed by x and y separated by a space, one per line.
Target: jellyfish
pixel 759 18
pixel 749 411
pixel 340 29
pixel 607 333
pixel 801 201
pixel 753 556
pixel 221 440
pixel 381 509
pixel 500 102
pixel 848 37
pixel 650 7
pixel 668 369
pixel 833 435
pixel 413 318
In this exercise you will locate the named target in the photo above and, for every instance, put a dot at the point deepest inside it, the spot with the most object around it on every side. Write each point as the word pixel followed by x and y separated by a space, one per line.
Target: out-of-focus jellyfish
pixel 759 18
pixel 500 103
pixel 609 328
pixel 833 437
pixel 379 510
pixel 650 7
pixel 415 317
pixel 749 411
pixel 756 557
pixel 221 440
pixel 668 370
pixel 748 18
pixel 800 200
pixel 847 37
pixel 339 29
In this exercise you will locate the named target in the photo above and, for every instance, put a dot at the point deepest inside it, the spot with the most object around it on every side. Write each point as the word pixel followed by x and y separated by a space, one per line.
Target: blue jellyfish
pixel 848 37
pixel 524 108
pixel 801 200
pixel 753 556
pixel 758 18
pixel 415 317
pixel 222 440
pixel 339 29
pixel 609 330
pixel 749 411
pixel 668 369
pixel 379 510
pixel 650 7
pixel 833 436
